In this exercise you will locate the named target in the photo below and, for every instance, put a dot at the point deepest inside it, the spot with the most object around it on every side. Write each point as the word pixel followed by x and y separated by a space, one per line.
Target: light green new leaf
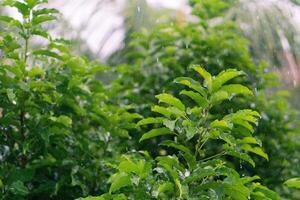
pixel 172 144
pixel 11 21
pixel 255 150
pixel 293 183
pixel 119 181
pixel 200 100
pixel 219 97
pixel 221 124
pixel 11 95
pixel 191 83
pixel 170 124
pixel 233 89
pixel 45 11
pixel 206 75
pixel 155 133
pixel 225 76
pixel 169 99
pixel 64 120
pixel 43 18
pixel 150 120
pixel 165 187
pixel 249 140
pixel 161 110
pixel 242 156
pixel 48 53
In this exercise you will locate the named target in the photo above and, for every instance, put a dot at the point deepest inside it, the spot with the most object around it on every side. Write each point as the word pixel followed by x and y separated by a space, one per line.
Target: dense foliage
pixel 57 126
pixel 65 134
pixel 189 173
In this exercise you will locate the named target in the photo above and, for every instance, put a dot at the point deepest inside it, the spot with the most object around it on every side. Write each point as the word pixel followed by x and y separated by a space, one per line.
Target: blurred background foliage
pixel 148 46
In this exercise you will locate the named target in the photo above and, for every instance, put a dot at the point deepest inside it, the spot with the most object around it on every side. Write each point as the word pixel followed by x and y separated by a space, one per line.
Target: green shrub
pixel 57 125
pixel 156 57
pixel 188 127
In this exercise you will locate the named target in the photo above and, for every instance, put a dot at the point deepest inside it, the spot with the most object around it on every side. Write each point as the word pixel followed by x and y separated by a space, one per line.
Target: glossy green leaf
pixel 150 120
pixel 200 100
pixel 155 133
pixel 169 99
pixel 293 183
pixel 234 89
pixel 225 76
pixel 255 150
pixel 206 75
pixel 191 83
pixel 119 181
pixel 219 97
pixel 43 18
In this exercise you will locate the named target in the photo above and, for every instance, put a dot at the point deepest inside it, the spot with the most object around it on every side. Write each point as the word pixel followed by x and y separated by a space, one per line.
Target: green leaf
pixel 43 18
pixel 220 124
pixel 191 83
pixel 36 71
pixel 11 95
pixel 172 144
pixel 249 179
pixel 18 188
pixel 162 110
pixel 206 75
pixel 267 193
pixel 165 187
pixel 47 53
pixel 22 7
pixel 150 120
pixel 169 99
pixel 170 124
pixel 11 21
pixel 219 97
pixel 225 76
pixel 293 183
pixel 200 100
pixel 119 181
pixel 199 174
pixel 249 140
pixel 155 133
pixel 234 89
pixel 64 120
pixel 242 156
pixel 45 11
pixel 255 150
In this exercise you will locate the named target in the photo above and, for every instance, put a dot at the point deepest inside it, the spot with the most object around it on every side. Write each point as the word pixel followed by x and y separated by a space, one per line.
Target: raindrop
pixel 139 9
pixel 157 59
pixel 14 102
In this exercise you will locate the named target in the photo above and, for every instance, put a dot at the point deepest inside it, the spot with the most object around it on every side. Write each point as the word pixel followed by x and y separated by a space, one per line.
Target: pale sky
pixel 109 17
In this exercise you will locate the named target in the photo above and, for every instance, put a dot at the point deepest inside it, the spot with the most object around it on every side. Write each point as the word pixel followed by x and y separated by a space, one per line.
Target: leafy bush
pixel 190 172
pixel 156 57
pixel 57 125
pixel 64 133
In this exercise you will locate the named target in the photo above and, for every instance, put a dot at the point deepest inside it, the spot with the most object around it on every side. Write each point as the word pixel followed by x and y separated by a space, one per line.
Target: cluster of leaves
pixel 191 172
pixel 154 58
pixel 56 122
pixel 63 131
